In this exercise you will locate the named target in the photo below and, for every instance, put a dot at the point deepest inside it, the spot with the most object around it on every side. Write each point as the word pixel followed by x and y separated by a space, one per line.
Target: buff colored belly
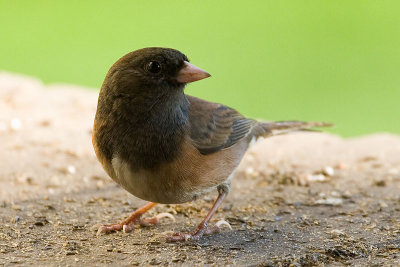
pixel 155 187
pixel 180 181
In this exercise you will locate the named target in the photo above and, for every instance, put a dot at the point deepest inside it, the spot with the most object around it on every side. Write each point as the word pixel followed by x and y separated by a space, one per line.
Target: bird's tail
pixel 283 127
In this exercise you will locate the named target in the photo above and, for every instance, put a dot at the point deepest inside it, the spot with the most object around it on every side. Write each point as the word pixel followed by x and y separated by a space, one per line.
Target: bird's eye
pixel 154 67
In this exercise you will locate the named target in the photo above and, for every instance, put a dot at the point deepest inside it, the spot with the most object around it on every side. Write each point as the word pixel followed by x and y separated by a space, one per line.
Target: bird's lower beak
pixel 190 73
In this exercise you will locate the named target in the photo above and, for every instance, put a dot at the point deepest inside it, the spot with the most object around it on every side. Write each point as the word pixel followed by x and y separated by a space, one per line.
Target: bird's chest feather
pixel 145 138
pixel 148 146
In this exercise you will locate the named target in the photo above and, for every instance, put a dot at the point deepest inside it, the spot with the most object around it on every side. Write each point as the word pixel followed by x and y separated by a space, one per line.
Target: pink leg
pixel 202 227
pixel 135 219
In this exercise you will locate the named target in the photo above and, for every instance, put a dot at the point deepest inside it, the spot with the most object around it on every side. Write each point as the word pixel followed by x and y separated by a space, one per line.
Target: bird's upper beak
pixel 190 73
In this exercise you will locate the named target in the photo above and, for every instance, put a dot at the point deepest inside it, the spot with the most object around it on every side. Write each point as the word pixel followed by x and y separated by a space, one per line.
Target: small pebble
pixel 18 207
pixel 16 219
pixel 330 201
pixel 337 232
pixel 316 177
pixel 340 166
pixel 383 204
pixel 329 171
pixel 15 124
pixel 71 169
pixel 380 183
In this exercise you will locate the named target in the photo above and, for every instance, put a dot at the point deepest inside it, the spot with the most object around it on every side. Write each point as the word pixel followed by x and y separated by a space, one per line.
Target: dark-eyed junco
pixel 164 146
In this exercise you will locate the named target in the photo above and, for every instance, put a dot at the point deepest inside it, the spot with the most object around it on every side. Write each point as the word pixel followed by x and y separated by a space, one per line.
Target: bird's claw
pixel 156 219
pixel 99 228
pixel 198 233
pixel 127 227
pixel 107 228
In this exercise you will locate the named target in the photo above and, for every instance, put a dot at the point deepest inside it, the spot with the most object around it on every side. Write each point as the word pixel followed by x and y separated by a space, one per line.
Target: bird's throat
pixel 148 134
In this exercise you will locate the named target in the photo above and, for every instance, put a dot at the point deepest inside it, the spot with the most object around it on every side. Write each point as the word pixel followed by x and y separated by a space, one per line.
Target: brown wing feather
pixel 214 126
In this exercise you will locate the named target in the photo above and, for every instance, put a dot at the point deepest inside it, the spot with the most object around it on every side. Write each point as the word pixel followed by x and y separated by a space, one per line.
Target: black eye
pixel 154 67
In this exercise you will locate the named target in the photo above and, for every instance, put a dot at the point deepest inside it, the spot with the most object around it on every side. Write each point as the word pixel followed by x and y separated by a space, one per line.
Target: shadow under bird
pixel 164 146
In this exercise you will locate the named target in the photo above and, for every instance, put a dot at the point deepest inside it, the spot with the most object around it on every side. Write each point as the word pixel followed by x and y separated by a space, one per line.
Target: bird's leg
pixel 202 228
pixel 135 219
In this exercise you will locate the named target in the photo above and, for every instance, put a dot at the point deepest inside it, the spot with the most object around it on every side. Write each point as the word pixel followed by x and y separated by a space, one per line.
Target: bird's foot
pixel 130 223
pixel 195 235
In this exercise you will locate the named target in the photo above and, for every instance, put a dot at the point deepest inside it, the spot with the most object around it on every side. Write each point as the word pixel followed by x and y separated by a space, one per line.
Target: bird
pixel 166 147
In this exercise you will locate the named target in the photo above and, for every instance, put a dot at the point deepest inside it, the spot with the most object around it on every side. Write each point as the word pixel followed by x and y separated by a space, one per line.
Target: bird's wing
pixel 214 126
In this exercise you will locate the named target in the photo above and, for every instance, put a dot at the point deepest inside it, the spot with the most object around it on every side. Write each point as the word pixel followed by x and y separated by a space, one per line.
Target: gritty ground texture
pixel 305 199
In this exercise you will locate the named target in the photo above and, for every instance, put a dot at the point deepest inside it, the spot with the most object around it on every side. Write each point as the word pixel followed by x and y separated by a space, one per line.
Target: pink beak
pixel 190 73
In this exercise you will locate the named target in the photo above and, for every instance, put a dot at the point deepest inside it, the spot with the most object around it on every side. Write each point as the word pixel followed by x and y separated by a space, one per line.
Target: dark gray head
pixel 152 69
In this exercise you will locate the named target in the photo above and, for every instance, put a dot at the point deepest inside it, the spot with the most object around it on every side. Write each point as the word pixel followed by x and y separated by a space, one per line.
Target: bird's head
pixel 150 71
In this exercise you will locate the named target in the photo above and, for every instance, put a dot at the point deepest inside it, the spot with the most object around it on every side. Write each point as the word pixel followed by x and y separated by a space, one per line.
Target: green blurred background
pixel 335 61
